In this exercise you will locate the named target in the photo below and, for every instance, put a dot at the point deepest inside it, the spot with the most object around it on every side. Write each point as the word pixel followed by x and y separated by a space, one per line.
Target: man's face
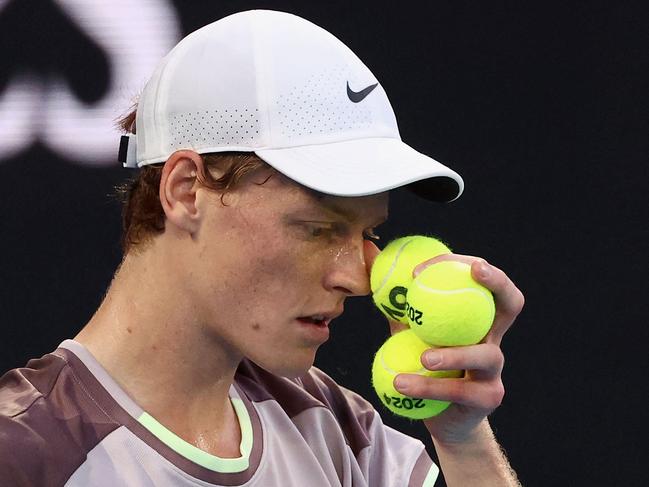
pixel 276 263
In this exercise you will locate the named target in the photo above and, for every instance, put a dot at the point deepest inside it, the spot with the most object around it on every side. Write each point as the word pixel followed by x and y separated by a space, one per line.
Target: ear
pixel 178 186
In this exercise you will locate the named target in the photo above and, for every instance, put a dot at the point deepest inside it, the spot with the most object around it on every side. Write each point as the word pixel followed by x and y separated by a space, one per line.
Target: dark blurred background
pixel 543 108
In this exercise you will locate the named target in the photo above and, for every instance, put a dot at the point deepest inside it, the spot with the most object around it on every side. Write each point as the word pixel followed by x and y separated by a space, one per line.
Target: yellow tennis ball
pixel 392 272
pixel 447 307
pixel 401 353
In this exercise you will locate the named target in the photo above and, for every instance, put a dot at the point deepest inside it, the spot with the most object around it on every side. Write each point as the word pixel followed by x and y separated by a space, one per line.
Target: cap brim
pixel 365 166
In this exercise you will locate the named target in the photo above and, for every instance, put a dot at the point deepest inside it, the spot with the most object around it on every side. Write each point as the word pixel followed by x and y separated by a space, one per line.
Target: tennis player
pixel 266 152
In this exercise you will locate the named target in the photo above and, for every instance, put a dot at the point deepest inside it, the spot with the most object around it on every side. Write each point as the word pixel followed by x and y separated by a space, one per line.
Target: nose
pixel 348 272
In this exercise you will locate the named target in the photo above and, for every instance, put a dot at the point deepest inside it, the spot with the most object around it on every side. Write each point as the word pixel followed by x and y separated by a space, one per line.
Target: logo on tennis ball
pixel 414 315
pixel 391 274
pixel 397 298
pixel 403 402
pixel 401 353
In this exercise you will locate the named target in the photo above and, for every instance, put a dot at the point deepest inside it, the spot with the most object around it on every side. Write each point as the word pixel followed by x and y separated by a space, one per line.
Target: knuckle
pixel 499 357
pixel 512 303
pixel 496 395
pixel 456 392
pixel 480 261
pixel 491 396
pixel 495 355
pixel 519 301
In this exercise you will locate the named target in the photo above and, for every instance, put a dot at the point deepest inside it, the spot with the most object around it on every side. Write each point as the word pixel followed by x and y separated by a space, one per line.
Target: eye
pixel 316 229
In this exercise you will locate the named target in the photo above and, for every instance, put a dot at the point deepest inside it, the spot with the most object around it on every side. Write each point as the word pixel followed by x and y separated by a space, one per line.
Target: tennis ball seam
pixel 393 266
pixel 423 370
pixel 483 293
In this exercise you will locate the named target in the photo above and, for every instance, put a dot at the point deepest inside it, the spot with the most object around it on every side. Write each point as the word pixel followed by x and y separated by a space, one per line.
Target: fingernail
pixel 401 383
pixel 484 270
pixel 431 359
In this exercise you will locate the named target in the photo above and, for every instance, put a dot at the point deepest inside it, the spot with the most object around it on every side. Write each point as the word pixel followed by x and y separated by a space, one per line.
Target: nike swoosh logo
pixel 357 96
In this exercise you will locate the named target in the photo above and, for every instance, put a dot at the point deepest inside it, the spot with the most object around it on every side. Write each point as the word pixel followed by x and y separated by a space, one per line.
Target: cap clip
pixel 128 151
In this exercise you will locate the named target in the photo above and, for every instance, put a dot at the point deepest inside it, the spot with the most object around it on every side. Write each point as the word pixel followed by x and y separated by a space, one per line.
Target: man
pixel 267 152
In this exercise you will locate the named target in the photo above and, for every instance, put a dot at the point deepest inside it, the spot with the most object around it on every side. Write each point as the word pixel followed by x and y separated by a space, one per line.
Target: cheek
pixel 258 273
pixel 265 280
pixel 280 275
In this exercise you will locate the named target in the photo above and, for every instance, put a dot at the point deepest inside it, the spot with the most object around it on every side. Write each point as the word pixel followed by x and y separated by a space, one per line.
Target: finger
pixel 486 395
pixel 508 298
pixel 485 361
pixel 467 259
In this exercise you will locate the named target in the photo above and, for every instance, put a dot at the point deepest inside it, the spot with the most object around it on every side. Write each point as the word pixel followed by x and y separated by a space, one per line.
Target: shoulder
pixel 48 423
pixel 21 452
pixel 24 442
pixel 21 388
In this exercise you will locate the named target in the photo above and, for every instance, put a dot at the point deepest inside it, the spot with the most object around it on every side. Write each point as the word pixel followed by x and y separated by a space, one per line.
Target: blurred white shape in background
pixel 135 35
pixel 19 105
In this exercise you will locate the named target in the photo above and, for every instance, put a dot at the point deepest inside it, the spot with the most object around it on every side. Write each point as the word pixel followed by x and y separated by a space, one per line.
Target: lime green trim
pixel 196 455
pixel 431 477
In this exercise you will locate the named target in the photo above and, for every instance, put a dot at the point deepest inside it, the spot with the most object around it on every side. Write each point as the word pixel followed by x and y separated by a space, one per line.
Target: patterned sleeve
pixel 385 456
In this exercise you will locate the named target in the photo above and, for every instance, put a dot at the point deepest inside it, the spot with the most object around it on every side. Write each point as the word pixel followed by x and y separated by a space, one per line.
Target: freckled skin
pixel 261 263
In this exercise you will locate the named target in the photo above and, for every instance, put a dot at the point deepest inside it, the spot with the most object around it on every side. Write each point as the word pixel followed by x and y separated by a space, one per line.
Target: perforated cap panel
pixel 320 106
pixel 201 129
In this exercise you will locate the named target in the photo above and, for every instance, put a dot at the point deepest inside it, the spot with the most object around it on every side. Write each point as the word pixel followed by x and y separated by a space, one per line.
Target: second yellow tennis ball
pixel 447 307
pixel 401 353
pixel 392 272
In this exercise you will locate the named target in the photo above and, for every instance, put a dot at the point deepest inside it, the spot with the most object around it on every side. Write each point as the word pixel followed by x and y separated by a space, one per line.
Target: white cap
pixel 277 85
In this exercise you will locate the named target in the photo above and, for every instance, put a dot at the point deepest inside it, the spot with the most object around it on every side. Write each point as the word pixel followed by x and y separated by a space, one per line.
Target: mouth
pixel 317 320
pixel 317 325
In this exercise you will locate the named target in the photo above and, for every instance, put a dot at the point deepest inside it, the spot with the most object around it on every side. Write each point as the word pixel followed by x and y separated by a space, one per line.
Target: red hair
pixel 142 215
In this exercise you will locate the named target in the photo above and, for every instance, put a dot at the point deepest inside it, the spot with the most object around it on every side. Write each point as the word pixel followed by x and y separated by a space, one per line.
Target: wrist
pixel 475 459
pixel 478 438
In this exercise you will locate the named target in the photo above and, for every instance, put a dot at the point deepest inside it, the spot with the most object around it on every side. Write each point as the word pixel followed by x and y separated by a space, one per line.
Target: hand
pixel 481 390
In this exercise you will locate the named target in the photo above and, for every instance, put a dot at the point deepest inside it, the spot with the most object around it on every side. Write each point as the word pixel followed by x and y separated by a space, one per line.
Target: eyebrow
pixel 350 214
